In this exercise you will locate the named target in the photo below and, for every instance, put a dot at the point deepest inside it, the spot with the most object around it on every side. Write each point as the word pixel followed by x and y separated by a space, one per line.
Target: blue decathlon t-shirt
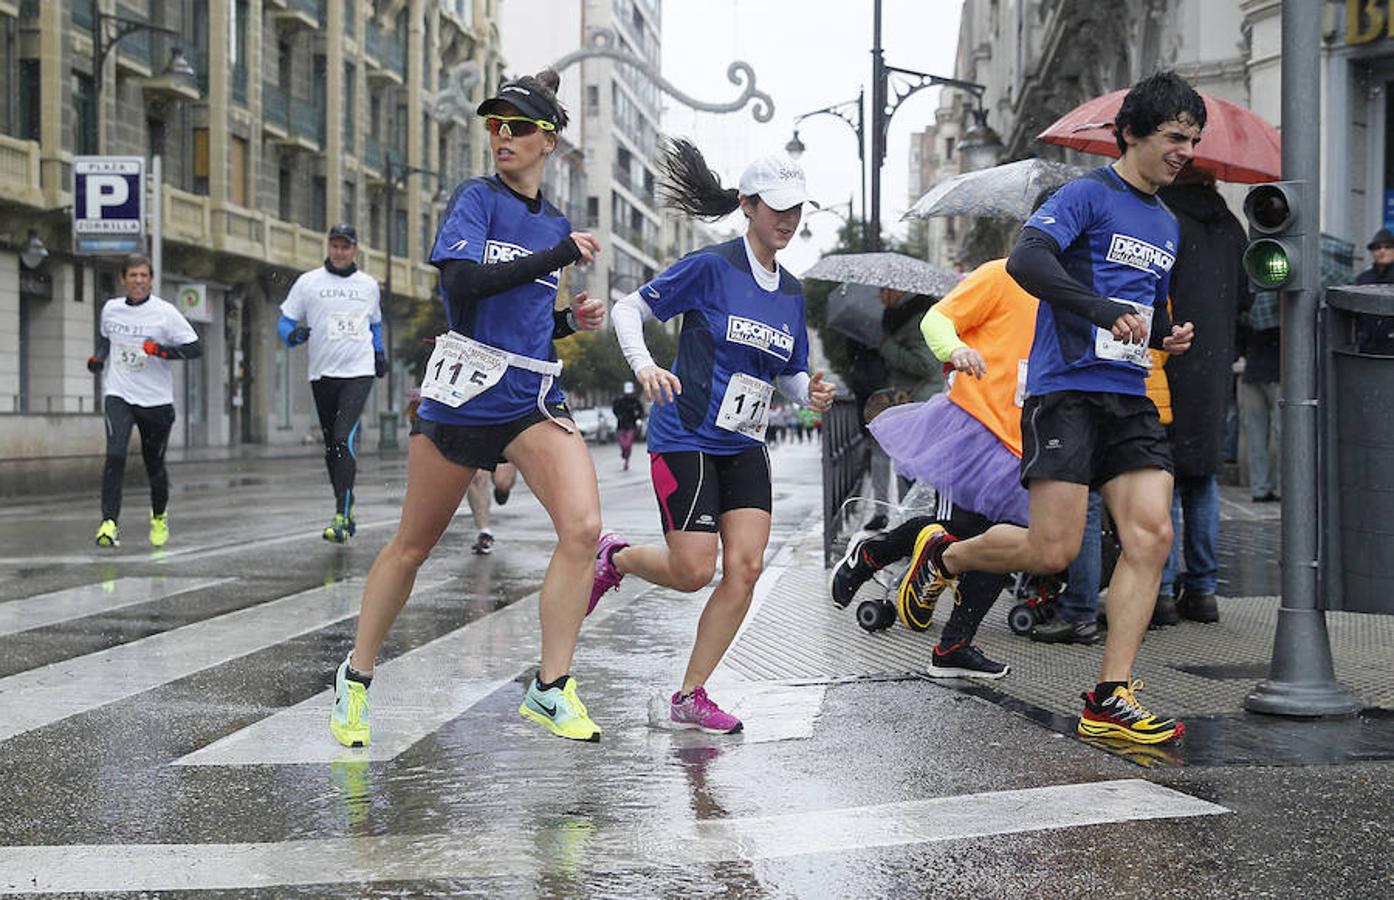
pixel 1118 242
pixel 730 324
pixel 487 223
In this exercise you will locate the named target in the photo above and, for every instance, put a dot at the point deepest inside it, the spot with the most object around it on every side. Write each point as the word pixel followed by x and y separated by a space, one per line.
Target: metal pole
pixel 98 61
pixel 1302 680
pixel 878 126
pixel 861 157
pixel 157 244
pixel 387 305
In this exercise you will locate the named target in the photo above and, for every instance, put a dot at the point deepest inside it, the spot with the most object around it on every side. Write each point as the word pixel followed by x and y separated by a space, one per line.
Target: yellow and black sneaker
pixel 923 582
pixel 1119 715
pixel 338 531
pixel 108 535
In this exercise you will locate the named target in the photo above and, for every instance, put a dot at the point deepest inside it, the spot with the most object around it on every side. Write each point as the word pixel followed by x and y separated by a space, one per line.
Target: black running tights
pixel 154 424
pixel 339 402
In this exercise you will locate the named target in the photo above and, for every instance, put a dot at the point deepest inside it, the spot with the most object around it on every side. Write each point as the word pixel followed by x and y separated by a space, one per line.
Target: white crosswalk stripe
pixel 74 603
pixel 492 851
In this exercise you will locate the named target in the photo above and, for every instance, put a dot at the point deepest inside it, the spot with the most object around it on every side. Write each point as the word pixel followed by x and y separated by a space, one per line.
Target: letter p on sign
pixel 105 191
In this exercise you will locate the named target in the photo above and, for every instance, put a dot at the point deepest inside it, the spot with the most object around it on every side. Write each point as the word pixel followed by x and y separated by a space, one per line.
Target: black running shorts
pixel 481 446
pixel 695 488
pixel 1090 438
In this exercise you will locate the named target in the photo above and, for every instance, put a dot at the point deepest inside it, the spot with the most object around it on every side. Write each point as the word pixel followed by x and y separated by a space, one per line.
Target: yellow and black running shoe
pixel 923 582
pixel 1121 716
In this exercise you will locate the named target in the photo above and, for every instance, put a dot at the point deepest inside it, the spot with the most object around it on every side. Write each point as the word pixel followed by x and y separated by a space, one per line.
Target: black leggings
pixel 977 591
pixel 154 423
pixel 339 402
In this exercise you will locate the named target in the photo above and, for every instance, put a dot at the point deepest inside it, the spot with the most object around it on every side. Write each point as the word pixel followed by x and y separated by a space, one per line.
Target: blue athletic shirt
pixel 730 324
pixel 487 223
pixel 1121 244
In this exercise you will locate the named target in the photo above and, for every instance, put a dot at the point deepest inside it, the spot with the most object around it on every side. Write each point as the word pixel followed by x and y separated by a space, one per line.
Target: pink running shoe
pixel 700 712
pixel 607 577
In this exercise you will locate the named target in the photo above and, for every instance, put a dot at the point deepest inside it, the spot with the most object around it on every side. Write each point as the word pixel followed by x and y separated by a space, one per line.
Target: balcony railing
pixel 372 152
pixel 307 119
pixel 274 106
pixel 19 171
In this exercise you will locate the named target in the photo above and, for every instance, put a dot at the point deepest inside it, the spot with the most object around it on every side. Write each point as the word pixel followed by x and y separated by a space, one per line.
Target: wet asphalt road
pixel 162 718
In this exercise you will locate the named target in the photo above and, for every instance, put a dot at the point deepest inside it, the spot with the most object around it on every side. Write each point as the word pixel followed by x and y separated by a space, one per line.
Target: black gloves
pixel 299 335
pixel 94 364
pixel 379 364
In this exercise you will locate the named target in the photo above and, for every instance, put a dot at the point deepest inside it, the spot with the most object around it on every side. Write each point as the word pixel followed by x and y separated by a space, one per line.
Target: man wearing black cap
pixel 1375 334
pixel 337 311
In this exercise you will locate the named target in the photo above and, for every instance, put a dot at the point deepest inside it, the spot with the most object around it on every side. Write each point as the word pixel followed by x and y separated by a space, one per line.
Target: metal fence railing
pixel 845 464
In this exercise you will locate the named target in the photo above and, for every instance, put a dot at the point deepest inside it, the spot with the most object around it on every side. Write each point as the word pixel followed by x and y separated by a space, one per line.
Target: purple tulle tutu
pixel 938 443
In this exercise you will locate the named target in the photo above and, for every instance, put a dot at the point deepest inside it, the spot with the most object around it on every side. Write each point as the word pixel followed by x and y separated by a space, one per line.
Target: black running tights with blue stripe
pixel 977 590
pixel 339 402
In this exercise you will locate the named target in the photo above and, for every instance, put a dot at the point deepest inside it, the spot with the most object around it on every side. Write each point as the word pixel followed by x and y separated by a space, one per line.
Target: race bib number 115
pixel 461 369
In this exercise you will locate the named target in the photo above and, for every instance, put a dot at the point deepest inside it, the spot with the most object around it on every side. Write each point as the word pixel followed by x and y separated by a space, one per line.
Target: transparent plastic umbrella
pixel 884 269
pixel 1001 192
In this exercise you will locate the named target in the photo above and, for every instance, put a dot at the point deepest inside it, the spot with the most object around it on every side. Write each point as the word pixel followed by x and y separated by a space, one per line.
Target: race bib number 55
pixel 745 408
pixel 461 369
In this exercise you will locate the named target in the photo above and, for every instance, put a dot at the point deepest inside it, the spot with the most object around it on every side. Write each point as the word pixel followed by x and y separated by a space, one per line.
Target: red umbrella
pixel 1237 144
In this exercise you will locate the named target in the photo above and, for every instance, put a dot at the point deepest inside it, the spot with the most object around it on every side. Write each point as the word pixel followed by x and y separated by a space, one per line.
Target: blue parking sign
pixel 108 205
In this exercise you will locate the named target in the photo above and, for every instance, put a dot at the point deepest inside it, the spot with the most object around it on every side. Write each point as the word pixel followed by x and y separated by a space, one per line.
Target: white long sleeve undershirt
pixel 628 317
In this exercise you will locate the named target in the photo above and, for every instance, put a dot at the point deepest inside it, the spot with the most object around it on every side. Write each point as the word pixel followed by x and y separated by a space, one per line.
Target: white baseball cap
pixel 777 179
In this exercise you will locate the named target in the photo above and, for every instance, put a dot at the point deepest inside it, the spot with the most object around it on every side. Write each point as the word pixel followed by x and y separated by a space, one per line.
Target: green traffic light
pixel 1268 264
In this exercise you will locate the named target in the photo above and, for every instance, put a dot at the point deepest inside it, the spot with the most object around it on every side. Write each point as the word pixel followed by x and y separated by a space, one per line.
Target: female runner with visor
pixel 743 333
pixel 488 396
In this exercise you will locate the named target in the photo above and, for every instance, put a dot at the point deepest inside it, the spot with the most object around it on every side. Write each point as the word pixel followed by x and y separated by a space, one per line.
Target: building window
pixel 318 203
pixel 201 161
pixel 350 206
pixel 237 187
pixel 284 200
pixel 155 129
pixel 29 99
pixel 350 103
pixel 592 212
pixel 85 109
pixel 237 50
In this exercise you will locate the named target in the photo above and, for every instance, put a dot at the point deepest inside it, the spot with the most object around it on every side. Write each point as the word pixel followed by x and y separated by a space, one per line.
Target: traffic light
pixel 1273 258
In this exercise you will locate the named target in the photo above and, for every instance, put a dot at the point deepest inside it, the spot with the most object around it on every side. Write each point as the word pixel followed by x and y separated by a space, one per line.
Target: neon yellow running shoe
pixel 108 535
pixel 560 711
pixel 159 529
pixel 349 721
pixel 338 531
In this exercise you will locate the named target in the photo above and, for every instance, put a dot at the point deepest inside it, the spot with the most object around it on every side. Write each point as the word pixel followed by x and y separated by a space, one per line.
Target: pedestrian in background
pixel 628 411
pixel 1375 334
pixel 336 310
pixel 867 375
pixel 1260 343
pixel 744 334
pixel 477 495
pixel 139 333
pixel 489 394
pixel 1208 287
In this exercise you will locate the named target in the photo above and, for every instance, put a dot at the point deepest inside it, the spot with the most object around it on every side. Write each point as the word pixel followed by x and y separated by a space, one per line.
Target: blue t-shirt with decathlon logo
pixel 731 326
pixel 1120 243
pixel 487 223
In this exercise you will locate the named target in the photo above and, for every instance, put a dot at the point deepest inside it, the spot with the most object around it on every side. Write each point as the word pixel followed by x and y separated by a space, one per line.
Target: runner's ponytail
pixel 690 186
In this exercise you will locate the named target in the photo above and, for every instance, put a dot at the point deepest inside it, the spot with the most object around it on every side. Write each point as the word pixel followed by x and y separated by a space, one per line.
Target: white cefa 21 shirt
pixel 339 312
pixel 133 376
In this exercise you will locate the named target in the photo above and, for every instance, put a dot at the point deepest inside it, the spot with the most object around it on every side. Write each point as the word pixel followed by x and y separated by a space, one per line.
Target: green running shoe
pixel 159 529
pixel 560 711
pixel 107 534
pixel 338 531
pixel 349 721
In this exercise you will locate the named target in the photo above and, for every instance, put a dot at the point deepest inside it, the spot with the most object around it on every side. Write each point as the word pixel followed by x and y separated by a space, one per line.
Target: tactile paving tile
pixel 798 634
